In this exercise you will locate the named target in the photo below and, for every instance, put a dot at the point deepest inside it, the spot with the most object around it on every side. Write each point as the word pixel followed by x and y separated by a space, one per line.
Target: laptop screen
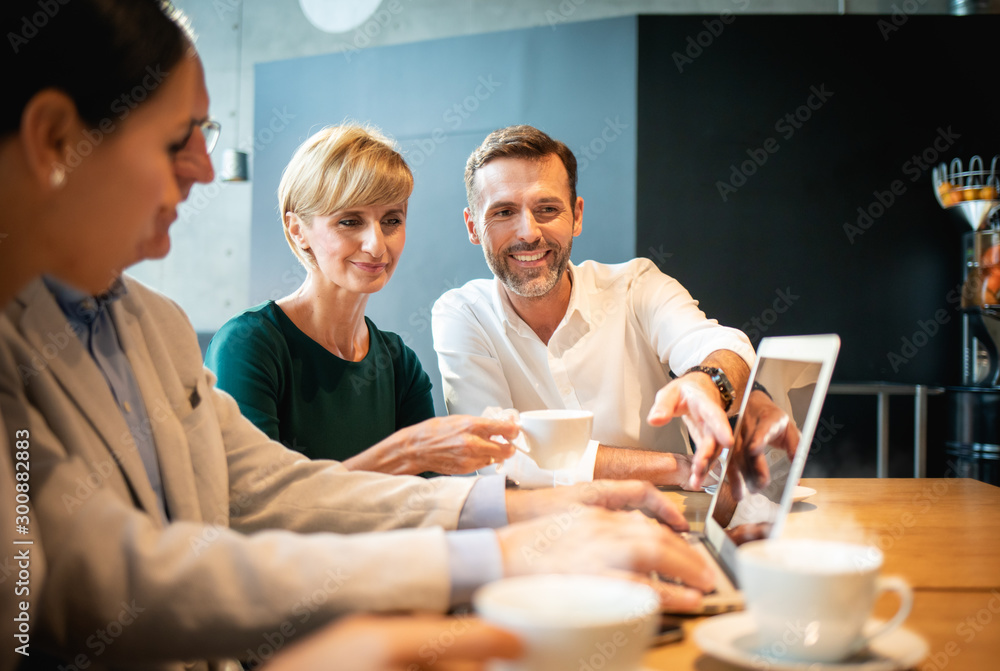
pixel 742 510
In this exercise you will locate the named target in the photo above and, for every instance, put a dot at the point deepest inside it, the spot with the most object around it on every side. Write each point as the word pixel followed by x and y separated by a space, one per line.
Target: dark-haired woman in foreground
pixel 88 187
pixel 81 186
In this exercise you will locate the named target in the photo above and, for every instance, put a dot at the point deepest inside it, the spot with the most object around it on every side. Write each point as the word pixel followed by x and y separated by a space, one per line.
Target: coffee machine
pixel 973 444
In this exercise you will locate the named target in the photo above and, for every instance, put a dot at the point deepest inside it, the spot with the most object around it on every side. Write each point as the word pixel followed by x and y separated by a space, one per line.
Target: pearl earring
pixel 58 177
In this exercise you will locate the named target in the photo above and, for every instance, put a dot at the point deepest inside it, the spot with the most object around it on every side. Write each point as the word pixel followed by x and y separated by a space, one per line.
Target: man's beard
pixel 530 282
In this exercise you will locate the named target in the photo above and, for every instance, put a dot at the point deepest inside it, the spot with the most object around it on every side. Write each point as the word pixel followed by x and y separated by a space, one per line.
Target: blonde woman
pixel 310 369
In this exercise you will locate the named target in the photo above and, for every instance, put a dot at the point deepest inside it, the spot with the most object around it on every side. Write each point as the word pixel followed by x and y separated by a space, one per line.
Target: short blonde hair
pixel 341 166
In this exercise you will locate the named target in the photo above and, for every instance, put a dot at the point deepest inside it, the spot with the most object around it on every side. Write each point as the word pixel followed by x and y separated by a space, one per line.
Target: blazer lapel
pixel 140 340
pixel 75 371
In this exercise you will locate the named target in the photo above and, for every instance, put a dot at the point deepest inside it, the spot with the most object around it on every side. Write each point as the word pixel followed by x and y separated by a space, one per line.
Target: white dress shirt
pixel 627 326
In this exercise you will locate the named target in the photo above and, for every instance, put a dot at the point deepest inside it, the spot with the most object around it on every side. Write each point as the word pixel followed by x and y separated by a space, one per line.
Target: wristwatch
pixel 720 380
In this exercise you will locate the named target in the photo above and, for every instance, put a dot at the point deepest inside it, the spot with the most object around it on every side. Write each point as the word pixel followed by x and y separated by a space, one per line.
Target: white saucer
pixel 731 638
pixel 801 493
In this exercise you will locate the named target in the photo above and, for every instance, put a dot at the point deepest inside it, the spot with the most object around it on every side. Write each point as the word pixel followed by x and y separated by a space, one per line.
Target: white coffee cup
pixel 811 599
pixel 557 438
pixel 572 622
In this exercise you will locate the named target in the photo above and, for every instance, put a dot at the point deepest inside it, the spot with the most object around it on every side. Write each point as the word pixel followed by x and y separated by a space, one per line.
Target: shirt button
pixel 565 391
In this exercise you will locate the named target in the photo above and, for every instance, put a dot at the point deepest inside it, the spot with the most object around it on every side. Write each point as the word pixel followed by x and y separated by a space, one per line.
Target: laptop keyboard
pixel 723 585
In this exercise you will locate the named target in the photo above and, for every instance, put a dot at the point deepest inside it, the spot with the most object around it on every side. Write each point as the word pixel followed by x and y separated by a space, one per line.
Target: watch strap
pixel 757 386
pixel 721 382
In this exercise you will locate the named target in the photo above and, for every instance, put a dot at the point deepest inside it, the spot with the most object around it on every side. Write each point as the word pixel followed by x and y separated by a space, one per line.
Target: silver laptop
pixel 795 371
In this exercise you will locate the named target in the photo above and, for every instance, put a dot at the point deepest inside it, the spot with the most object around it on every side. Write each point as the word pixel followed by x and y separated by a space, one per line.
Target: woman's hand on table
pixel 399 643
pixel 448 445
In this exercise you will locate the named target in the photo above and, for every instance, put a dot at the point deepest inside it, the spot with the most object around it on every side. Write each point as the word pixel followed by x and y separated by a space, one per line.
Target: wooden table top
pixel 942 535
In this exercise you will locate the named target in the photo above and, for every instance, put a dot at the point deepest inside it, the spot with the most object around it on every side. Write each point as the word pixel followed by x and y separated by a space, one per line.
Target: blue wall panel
pixel 439 99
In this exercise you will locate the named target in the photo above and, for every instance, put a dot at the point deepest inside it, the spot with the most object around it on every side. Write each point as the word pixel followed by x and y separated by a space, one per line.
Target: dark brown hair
pixel 94 51
pixel 518 142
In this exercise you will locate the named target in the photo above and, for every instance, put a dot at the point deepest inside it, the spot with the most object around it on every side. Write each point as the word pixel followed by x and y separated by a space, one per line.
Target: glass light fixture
pixel 235 166
pixel 338 16
pixel 235 163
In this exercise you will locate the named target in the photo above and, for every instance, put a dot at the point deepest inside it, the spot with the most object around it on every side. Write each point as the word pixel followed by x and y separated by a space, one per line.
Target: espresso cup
pixel 572 622
pixel 811 599
pixel 557 439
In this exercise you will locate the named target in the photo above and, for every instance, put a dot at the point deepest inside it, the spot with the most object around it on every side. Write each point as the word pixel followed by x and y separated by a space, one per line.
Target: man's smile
pixel 530 259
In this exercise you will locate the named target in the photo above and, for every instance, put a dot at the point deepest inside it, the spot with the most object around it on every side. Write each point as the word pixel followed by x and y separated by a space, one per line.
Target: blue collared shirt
pixel 90 317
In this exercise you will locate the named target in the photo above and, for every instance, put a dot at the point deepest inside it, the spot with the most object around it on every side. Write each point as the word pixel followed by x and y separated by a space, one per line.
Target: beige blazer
pixel 232 573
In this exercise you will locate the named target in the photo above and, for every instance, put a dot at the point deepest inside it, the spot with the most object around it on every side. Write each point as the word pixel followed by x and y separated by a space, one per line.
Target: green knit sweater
pixel 299 393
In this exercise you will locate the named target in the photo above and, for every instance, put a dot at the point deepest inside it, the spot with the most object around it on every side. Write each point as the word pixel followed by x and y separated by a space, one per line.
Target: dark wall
pixel 766 247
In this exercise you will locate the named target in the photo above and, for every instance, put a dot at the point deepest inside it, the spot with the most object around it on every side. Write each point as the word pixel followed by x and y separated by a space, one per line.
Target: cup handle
pixel 900 587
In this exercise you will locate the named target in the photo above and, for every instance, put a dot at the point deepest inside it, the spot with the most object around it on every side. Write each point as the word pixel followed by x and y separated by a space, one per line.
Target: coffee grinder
pixel 973 444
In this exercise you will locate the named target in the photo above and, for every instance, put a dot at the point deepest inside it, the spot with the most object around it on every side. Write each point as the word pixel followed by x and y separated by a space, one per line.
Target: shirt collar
pixel 79 306
pixel 579 296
